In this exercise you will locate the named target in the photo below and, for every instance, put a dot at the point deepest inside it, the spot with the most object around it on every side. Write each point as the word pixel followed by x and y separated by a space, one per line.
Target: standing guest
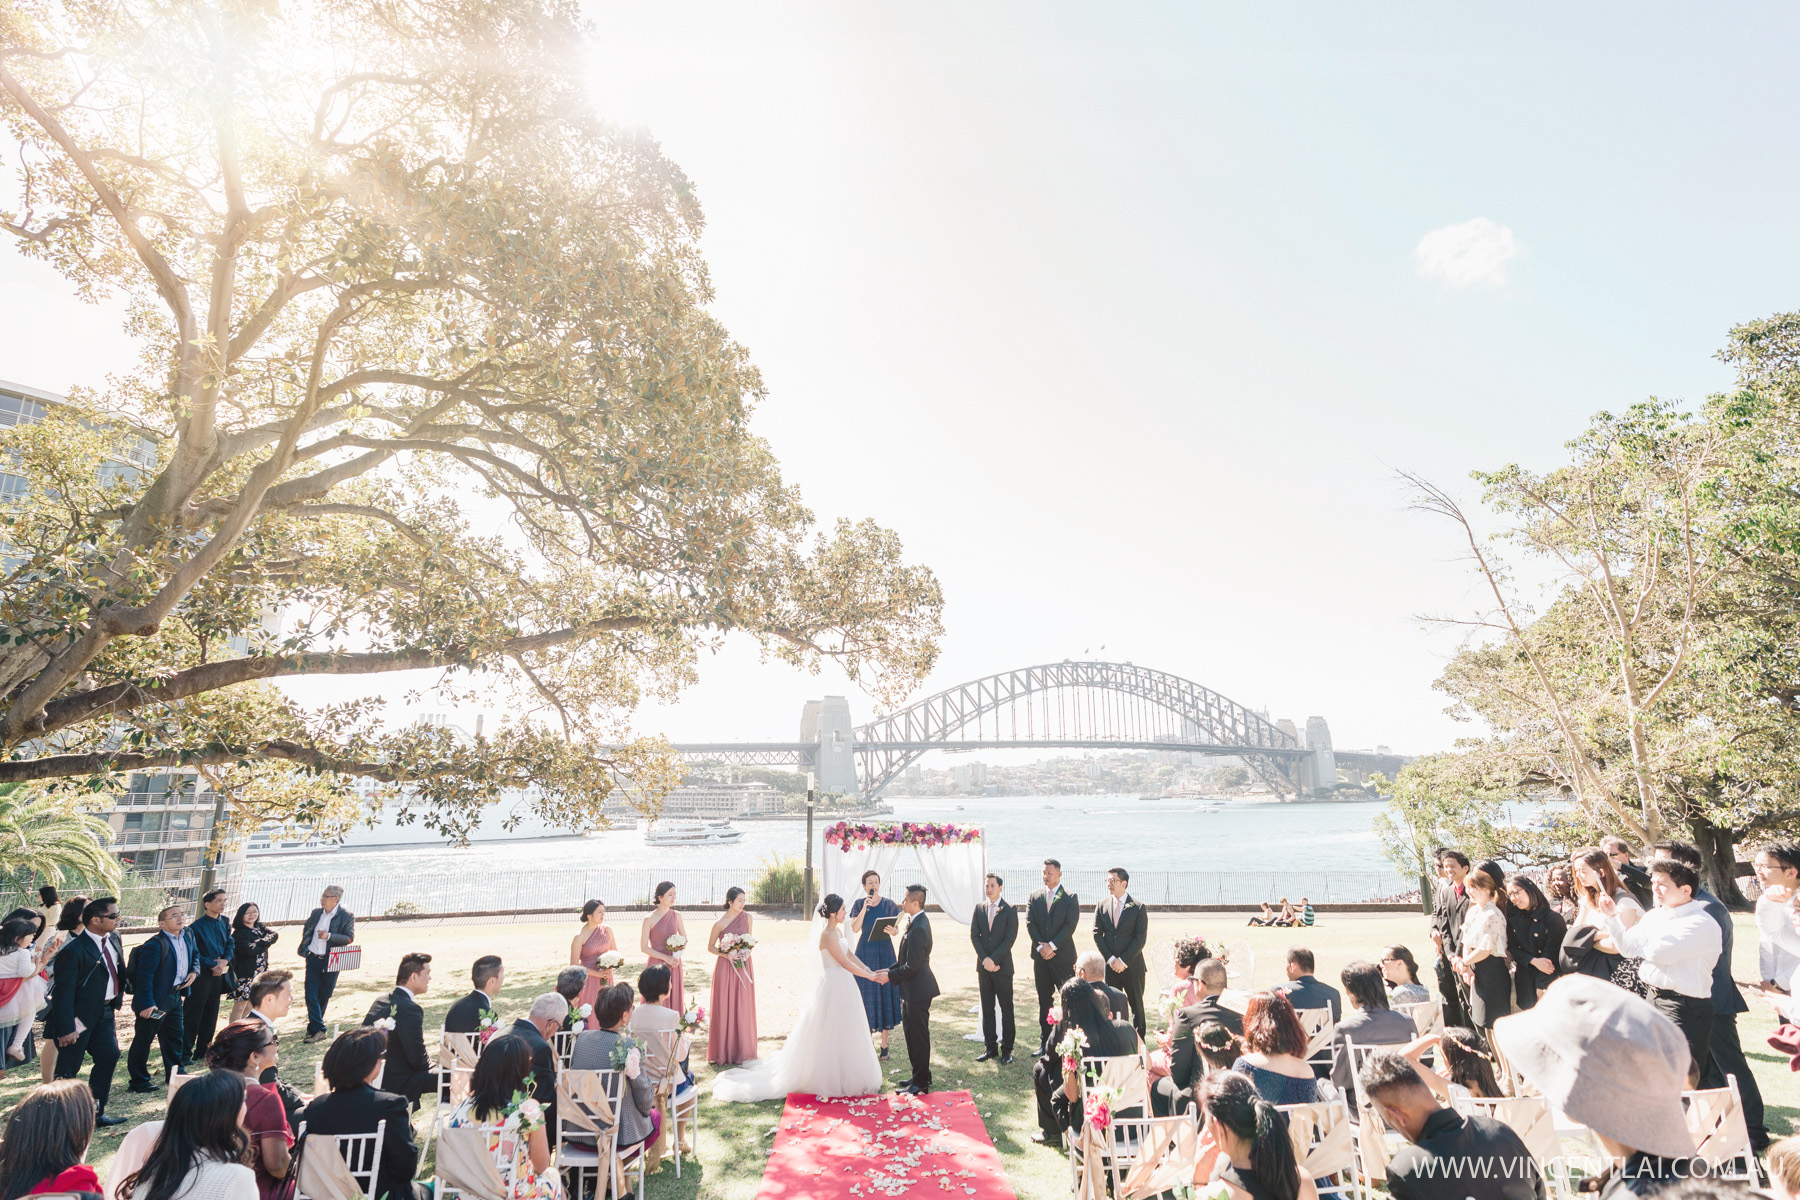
pixel 354 1105
pixel 1610 1061
pixel 731 1033
pixel 1256 1158
pixel 570 983
pixel 1559 889
pixel 1634 877
pixel 1595 879
pixel 46 1140
pixel 881 1001
pixel 1482 963
pixel 166 968
pixel 250 942
pixel 409 1067
pixel 1777 868
pixel 1058 1094
pixel 1275 1051
pixel 199 1155
pixel 68 925
pixel 640 1118
pixel 993 930
pixel 536 1026
pixel 271 997
pixel 1172 1090
pixel 1304 989
pixel 1121 929
pixel 1448 912
pixel 1090 968
pixel 1051 915
pixel 85 1002
pixel 213 948
pixel 658 928
pixel 22 989
pixel 1370 1022
pixel 1727 1053
pixel 594 938
pixel 1534 938
pixel 1467 1064
pixel 1485 1159
pixel 486 977
pixel 494 1099
pixel 1400 971
pixel 1679 944
pixel 331 925
pixel 249 1048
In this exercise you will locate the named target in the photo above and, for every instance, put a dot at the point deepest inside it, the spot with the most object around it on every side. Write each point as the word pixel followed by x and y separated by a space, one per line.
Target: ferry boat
pixel 691 833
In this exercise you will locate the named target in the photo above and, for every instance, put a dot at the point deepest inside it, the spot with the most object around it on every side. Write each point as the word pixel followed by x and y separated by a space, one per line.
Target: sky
pixel 1125 317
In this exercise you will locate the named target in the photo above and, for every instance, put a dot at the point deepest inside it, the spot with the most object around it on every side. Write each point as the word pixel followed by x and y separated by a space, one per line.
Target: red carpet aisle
pixel 925 1147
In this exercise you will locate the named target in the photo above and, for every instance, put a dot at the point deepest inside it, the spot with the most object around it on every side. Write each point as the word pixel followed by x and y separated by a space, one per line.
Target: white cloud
pixel 1472 254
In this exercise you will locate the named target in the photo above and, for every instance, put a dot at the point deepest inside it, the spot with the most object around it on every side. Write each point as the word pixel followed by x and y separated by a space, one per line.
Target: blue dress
pixel 1277 1088
pixel 880 1001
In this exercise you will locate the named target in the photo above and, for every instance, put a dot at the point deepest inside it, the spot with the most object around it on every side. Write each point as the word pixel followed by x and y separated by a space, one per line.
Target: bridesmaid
pixel 595 939
pixel 731 1038
pixel 662 924
pixel 881 1001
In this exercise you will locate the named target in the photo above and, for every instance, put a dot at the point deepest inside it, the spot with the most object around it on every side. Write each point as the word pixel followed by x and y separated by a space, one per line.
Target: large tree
pixel 427 370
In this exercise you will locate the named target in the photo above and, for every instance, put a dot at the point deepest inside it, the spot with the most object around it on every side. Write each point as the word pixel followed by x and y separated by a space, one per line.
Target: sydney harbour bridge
pixel 1071 704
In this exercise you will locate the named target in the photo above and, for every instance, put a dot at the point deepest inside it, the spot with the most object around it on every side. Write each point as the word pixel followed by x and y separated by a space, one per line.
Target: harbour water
pixel 1242 852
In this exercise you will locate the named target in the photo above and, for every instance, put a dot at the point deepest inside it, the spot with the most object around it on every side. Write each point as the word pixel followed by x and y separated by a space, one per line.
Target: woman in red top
pixel 248 1048
pixel 45 1139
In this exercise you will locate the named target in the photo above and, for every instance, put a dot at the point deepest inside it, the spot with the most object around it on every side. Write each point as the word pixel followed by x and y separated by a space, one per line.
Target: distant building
pixel 715 800
pixel 971 776
pixel 827 722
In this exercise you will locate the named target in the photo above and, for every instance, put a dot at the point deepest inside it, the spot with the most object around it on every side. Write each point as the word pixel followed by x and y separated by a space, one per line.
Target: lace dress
pixel 506 1139
pixel 827 1055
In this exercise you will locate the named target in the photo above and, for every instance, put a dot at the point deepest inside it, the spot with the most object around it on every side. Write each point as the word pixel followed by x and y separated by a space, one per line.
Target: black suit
pixel 543 1067
pixel 1447 914
pixel 357 1110
pixel 1125 942
pixel 1049 924
pixel 1116 1002
pixel 465 1015
pixel 409 1070
pixel 82 980
pixel 918 988
pixel 996 986
pixel 1055 1111
pixel 1174 1091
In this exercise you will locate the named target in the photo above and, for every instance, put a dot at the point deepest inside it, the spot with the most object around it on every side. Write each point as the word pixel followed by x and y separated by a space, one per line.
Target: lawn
pixel 735 1138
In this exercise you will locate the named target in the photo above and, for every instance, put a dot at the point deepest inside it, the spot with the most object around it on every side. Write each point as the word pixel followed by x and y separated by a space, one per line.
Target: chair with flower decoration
pixel 1169 1157
pixel 666 1050
pixel 1123 1082
pixel 587 1133
pixel 1324 1146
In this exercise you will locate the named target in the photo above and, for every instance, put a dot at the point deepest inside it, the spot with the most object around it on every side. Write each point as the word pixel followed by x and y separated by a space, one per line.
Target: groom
pixel 918 986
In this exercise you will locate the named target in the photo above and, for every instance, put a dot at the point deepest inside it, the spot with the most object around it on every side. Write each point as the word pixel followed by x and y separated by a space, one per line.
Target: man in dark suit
pixel 353 1106
pixel 90 979
pixel 1174 1091
pixel 993 930
pixel 1306 990
pixel 212 940
pixel 918 988
pixel 488 976
pixel 1370 1022
pixel 331 925
pixel 409 1069
pixel 167 966
pixel 545 1018
pixel 1121 928
pixel 1447 916
pixel 1050 920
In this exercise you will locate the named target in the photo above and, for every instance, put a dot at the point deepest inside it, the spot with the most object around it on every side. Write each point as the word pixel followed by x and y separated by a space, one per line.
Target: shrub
pixel 405 908
pixel 782 881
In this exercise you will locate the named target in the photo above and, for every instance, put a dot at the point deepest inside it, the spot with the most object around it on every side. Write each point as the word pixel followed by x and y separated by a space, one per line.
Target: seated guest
pixel 1307 915
pixel 1173 1091
pixel 45 1140
pixel 569 984
pixel 248 1048
pixel 640 1118
pixel 271 996
pixel 654 1016
pixel 1274 1055
pixel 410 1069
pixel 1449 1153
pixel 352 1065
pixel 1465 1067
pixel 1784 1169
pixel 1370 1022
pixel 1190 952
pixel 495 1093
pixel 1305 990
pixel 1059 1090
pixel 1605 1057
pixel 1679 943
pixel 1287 917
pixel 545 1018
pixel 1266 917
pixel 487 976
pixel 1400 971
pixel 200 1153
pixel 1090 966
pixel 1218 1046
pixel 1256 1159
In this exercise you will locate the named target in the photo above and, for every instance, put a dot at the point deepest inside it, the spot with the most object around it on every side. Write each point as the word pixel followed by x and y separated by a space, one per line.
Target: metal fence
pixel 292 897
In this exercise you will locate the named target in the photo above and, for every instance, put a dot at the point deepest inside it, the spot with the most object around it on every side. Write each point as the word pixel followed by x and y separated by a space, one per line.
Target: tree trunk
pixel 1718 862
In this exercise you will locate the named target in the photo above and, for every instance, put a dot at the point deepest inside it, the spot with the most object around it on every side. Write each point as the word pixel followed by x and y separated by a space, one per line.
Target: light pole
pixel 806 898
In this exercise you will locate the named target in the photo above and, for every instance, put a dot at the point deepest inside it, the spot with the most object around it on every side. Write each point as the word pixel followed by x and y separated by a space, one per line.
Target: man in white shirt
pixel 1777 942
pixel 1678 942
pixel 271 996
pixel 331 925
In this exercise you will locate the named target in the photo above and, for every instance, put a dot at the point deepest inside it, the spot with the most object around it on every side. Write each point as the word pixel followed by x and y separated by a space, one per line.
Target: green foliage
pixel 783 881
pixel 48 840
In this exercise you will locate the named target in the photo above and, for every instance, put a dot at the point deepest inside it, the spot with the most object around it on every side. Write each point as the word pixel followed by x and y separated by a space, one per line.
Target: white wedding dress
pixel 828 1054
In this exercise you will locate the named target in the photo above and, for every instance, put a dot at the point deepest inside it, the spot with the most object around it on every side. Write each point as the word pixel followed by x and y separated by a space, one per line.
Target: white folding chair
pixel 667 1048
pixel 464 1157
pixel 176 1081
pixel 1375 1145
pixel 1715 1116
pixel 1324 1146
pixel 457 1055
pixel 586 1104
pixel 1167 1152
pixel 1129 1075
pixel 562 1044
pixel 359 1154
pixel 1427 1016
pixel 1320 1032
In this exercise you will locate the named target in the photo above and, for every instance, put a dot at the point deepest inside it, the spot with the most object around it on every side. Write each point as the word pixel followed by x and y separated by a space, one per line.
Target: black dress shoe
pixel 985 1055
pixel 105 1121
pixel 914 1089
pixel 903 1085
pixel 142 1089
pixel 1006 1060
pixel 1040 1138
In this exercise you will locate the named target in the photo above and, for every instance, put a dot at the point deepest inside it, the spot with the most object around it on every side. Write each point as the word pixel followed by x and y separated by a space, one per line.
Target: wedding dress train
pixel 828 1054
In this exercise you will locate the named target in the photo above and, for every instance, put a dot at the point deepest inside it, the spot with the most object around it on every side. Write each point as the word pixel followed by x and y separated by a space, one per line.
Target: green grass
pixel 735 1138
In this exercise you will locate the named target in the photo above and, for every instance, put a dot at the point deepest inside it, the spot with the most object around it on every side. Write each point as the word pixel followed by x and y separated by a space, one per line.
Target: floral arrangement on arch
pixel 846 836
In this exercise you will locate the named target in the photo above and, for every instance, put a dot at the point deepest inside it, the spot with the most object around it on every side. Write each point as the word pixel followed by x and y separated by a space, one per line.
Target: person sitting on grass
pixel 1266 917
pixel 1307 916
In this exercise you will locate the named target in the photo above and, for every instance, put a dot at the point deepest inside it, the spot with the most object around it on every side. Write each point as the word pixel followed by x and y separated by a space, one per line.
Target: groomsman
pixel 1050 920
pixel 993 931
pixel 1121 927
pixel 488 976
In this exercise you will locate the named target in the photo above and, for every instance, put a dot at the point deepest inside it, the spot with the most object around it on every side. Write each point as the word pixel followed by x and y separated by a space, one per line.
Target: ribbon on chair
pixel 323 1174
pixel 466 1164
pixel 1527 1116
pixel 1166 1161
pixel 1321 1137
pixel 1718 1138
pixel 458 1050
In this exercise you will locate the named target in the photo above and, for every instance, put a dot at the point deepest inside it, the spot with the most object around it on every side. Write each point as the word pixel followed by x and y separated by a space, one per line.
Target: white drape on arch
pixel 844 870
pixel 953 874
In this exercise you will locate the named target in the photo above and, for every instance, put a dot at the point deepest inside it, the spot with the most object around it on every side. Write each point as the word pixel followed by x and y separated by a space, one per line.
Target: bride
pixel 829 1053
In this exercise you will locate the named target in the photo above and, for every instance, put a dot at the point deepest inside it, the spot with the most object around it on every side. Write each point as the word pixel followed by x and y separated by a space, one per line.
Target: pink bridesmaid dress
pixel 660 933
pixel 598 943
pixel 731 1029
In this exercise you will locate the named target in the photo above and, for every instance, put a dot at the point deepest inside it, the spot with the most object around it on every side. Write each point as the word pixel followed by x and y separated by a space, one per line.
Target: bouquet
pixel 692 1019
pixel 1054 1014
pixel 736 947
pixel 1097 1105
pixel 486 1026
pixel 628 1056
pixel 675 943
pixel 612 960
pixel 524 1114
pixel 1074 1046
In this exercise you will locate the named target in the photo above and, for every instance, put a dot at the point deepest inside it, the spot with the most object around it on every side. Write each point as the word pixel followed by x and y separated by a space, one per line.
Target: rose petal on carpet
pixel 872 1147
